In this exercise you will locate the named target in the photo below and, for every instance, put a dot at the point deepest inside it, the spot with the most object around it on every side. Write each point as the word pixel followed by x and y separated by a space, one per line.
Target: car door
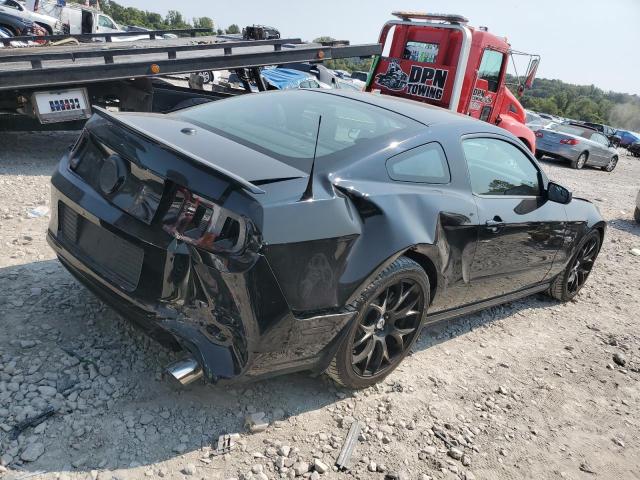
pixel 520 232
pixel 601 148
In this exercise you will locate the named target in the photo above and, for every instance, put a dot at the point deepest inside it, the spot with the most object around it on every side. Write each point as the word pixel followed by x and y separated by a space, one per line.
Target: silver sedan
pixel 579 144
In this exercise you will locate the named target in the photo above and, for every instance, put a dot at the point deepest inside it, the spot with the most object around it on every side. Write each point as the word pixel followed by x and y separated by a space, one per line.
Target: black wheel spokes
pixel 582 266
pixel 387 327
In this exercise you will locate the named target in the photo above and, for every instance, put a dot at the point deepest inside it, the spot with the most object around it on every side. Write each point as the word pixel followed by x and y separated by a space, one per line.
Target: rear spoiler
pixel 121 121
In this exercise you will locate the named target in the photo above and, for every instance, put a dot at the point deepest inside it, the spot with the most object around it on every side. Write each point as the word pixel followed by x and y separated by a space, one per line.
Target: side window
pixel 304 84
pixel 490 68
pixel 105 22
pixel 497 167
pixel 423 164
pixel 598 137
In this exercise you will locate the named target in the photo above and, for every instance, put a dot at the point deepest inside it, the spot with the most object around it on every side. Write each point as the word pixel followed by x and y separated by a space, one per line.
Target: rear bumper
pixel 231 317
pixel 559 150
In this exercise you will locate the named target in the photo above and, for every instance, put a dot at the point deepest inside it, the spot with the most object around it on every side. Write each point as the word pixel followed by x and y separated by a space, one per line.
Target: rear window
pixel 284 125
pixel 573 130
pixel 421 52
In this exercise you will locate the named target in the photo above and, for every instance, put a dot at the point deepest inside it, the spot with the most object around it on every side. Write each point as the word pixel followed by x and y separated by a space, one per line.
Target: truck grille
pixel 117 259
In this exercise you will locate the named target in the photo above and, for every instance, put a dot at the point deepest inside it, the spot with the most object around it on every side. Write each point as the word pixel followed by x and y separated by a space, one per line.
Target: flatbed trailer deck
pixel 128 68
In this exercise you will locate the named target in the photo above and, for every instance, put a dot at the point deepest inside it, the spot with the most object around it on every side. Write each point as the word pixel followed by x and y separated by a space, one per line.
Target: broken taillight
pixel 200 222
pixel 539 134
pixel 569 141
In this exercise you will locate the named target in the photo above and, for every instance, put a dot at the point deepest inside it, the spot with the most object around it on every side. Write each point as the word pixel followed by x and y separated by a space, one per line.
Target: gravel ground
pixel 530 389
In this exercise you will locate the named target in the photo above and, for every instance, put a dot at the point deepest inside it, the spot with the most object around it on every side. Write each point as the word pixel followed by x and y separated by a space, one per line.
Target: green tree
pixel 203 22
pixel 233 28
pixel 324 39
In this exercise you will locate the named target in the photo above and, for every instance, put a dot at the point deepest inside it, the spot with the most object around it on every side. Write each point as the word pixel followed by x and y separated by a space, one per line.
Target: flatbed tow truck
pixel 432 58
pixel 54 87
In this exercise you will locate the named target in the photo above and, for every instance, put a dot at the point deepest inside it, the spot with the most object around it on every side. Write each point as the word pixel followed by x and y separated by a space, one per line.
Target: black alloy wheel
pixel 570 282
pixel 391 312
pixel 390 322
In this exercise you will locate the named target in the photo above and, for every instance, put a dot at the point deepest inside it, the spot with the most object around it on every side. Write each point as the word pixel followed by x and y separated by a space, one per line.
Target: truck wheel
pixel 571 280
pixel 611 165
pixel 391 312
pixel 580 161
pixel 636 214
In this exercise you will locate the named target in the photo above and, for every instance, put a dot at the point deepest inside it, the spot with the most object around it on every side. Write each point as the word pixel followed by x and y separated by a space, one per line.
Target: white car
pixel 18 9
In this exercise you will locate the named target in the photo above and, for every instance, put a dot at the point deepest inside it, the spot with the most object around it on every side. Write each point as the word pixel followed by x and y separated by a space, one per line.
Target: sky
pixel 581 41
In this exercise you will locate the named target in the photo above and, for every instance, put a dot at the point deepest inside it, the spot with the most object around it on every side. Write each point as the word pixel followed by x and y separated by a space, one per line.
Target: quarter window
pixel 490 68
pixel 497 167
pixel 424 164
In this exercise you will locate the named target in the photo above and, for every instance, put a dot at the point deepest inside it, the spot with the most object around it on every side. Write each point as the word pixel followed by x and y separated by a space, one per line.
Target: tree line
pixel 584 102
pixel 173 20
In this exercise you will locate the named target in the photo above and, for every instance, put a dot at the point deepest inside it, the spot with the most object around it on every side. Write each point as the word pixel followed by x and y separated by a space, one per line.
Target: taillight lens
pixel 200 222
pixel 569 141
pixel 539 134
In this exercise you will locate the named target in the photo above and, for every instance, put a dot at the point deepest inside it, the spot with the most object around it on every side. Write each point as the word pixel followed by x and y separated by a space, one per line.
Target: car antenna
pixel 308 192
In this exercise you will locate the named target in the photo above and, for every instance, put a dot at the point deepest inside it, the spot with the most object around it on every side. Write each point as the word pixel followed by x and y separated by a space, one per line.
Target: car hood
pixel 208 148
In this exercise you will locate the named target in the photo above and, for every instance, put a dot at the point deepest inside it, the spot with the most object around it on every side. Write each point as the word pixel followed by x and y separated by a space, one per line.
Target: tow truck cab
pixel 441 60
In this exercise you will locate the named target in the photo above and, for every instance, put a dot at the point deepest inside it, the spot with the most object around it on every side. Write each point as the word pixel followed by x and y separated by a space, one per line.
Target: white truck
pixel 76 18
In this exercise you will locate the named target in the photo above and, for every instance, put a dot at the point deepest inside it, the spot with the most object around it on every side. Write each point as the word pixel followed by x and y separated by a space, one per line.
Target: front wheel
pixel 611 165
pixel 568 283
pixel 391 312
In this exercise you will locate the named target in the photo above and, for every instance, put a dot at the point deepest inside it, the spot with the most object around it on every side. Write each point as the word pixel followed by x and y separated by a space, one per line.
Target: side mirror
pixel 531 73
pixel 559 194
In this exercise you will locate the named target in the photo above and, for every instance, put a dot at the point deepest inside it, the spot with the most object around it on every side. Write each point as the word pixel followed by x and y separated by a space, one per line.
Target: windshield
pixel 284 125
pixel 573 130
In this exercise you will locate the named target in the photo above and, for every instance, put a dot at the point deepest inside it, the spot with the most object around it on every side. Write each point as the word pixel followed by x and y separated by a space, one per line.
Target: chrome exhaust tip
pixel 185 371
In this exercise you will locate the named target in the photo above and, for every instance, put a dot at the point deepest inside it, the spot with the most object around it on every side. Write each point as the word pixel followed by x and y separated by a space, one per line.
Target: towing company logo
pixel 479 97
pixel 394 78
pixel 425 82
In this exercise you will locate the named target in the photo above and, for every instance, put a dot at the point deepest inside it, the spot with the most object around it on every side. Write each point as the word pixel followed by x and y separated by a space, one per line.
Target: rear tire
pixel 611 165
pixel 580 162
pixel 387 339
pixel 569 282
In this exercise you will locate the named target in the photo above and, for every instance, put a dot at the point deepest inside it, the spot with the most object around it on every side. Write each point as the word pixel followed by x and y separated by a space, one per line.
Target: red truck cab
pixel 441 60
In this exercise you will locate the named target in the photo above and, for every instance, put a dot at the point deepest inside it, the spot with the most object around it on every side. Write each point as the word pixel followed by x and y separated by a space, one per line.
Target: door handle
pixel 495 225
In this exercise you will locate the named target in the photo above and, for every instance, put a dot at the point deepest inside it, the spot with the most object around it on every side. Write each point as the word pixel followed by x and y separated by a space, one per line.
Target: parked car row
pixel 15 15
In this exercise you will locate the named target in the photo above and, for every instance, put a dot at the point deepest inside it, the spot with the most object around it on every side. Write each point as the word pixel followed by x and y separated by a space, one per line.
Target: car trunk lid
pixel 238 164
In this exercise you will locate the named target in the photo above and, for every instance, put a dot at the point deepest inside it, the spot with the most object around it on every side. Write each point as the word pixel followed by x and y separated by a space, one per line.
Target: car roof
pixel 424 113
pixel 585 125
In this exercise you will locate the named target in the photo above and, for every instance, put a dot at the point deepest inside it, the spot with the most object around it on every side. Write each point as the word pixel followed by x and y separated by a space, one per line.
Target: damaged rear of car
pixel 206 228
pixel 309 229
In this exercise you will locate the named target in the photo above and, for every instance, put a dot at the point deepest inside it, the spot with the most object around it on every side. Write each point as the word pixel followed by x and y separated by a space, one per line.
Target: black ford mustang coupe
pixel 315 230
